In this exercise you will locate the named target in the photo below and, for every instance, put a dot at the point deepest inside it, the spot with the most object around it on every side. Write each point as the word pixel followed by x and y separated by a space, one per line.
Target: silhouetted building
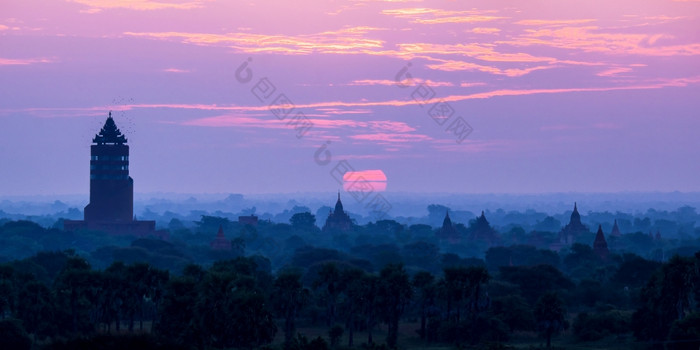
pixel 573 229
pixel 658 236
pixel 615 230
pixel 220 242
pixel 111 206
pixel 338 219
pixel 251 220
pixel 481 230
pixel 600 245
pixel 448 230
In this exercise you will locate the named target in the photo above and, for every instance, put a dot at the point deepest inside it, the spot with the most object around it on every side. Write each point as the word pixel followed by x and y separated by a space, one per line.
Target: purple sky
pixel 561 95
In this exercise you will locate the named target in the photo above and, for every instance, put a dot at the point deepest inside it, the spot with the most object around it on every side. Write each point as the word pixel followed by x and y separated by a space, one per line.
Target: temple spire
pixel 338 205
pixel 600 245
pixel 447 222
pixel 575 216
pixel 615 230
pixel 109 134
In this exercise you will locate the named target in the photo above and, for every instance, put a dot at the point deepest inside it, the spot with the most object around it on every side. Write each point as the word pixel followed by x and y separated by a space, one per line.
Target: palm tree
pixel 550 315
pixel 288 298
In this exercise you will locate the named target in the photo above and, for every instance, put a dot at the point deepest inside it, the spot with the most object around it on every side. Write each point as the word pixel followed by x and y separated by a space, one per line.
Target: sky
pixel 354 95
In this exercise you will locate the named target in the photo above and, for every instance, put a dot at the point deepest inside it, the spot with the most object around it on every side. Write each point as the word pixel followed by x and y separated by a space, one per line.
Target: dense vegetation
pixel 382 284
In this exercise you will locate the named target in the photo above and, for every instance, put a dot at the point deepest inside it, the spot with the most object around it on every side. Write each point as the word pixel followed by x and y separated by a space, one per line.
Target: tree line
pixel 54 298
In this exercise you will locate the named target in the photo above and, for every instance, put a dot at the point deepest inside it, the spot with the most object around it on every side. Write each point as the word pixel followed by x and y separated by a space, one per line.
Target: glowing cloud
pixel 22 61
pixel 424 15
pixel 385 138
pixel 139 5
pixel 483 30
pixel 347 40
pixel 175 70
pixel 592 39
pixel 387 82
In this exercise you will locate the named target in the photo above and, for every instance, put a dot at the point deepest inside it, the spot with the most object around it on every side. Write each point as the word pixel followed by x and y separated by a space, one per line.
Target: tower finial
pixel 338 194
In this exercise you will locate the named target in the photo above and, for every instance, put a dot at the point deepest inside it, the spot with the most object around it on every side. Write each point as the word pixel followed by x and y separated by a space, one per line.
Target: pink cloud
pixel 553 22
pixel 138 5
pixel 346 40
pixel 84 111
pixel 483 30
pixel 260 121
pixel 175 70
pixel 391 138
pixel 387 82
pixel 614 72
pixel 465 84
pixel 338 111
pixel 437 16
pixel 454 65
pixel 594 39
pixel 22 61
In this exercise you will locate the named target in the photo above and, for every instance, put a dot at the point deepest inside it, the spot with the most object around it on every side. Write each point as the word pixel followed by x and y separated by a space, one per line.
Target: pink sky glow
pixel 562 95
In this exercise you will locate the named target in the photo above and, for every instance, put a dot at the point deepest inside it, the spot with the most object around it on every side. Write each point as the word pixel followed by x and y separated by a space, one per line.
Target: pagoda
pixel 600 246
pixel 111 206
pixel 448 230
pixel 615 230
pixel 573 229
pixel 111 187
pixel 338 219
pixel 220 242
pixel 481 230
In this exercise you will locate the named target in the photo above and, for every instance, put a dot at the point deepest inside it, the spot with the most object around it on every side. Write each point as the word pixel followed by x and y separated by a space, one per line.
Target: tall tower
pixel 111 187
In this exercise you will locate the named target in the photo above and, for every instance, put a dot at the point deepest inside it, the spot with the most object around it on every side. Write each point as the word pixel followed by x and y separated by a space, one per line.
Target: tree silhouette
pixel 288 298
pixel 424 283
pixel 550 316
pixel 394 293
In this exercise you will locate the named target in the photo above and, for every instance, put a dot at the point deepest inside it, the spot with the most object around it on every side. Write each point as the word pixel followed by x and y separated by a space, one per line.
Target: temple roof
pixel 600 242
pixel 220 242
pixel 338 205
pixel 575 216
pixel 109 134
pixel 338 220
pixel 615 230
pixel 447 223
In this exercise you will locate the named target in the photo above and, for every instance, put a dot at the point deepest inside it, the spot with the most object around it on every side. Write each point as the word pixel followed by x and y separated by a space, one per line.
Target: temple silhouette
pixel 574 229
pixel 111 207
pixel 616 230
pixel 600 245
pixel 448 230
pixel 338 220
pixel 220 242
